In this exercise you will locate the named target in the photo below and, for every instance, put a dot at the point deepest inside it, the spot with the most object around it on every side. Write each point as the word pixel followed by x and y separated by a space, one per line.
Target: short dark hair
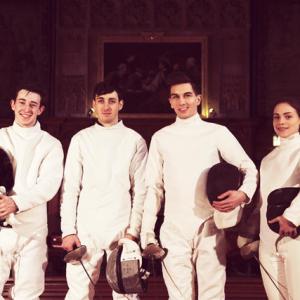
pixel 105 87
pixel 179 78
pixel 33 88
pixel 292 101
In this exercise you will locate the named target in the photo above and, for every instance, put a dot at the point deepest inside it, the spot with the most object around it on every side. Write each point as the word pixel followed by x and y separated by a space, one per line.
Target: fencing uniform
pixel 180 156
pixel 38 162
pixel 103 194
pixel 281 168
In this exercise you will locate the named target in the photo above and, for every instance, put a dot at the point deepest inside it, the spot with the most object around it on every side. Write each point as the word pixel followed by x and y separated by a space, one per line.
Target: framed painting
pixel 139 65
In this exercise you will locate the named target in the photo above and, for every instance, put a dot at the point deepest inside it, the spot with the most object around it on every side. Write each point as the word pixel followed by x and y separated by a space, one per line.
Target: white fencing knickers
pixel 205 254
pixel 80 287
pixel 284 267
pixel 27 257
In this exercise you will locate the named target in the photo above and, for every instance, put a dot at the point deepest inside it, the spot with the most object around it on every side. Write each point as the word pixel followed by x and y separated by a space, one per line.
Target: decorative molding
pixel 105 14
pixel 138 14
pixel 201 14
pixel 73 13
pixel 72 96
pixel 235 13
pixel 168 14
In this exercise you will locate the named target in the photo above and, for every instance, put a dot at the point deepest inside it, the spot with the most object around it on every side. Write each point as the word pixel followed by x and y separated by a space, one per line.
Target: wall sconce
pixel 212 113
pixel 91 113
pixel 276 141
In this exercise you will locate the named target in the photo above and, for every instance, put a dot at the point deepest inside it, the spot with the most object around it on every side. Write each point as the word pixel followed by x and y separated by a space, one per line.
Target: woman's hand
pixel 286 228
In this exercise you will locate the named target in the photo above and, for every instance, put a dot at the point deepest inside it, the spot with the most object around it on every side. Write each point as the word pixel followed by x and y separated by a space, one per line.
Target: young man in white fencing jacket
pixel 37 158
pixel 103 190
pixel 180 156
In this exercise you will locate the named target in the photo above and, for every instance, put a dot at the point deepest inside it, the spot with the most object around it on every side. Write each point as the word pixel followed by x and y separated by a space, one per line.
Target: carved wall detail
pixel 234 13
pixel 73 13
pixel 101 12
pixel 169 14
pixel 73 53
pixel 25 48
pixel 201 14
pixel 279 61
pixel 72 96
pixel 233 95
pixel 137 14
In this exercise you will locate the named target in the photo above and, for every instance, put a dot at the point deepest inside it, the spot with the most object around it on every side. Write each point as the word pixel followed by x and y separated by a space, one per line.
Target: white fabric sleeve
pixel 155 192
pixel 71 188
pixel 292 213
pixel 138 187
pixel 233 153
pixel 47 183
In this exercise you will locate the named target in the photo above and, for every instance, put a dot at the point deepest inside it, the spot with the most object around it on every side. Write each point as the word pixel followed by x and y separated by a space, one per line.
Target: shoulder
pixel 214 126
pixel 134 135
pixel 50 139
pixel 83 132
pixel 164 131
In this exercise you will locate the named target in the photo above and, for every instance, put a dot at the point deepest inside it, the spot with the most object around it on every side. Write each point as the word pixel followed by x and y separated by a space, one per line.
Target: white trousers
pixel 80 287
pixel 27 258
pixel 284 267
pixel 202 258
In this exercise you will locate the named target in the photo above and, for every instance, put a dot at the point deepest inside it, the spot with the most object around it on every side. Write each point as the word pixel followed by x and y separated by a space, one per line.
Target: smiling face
pixel 27 107
pixel 107 108
pixel 286 120
pixel 184 100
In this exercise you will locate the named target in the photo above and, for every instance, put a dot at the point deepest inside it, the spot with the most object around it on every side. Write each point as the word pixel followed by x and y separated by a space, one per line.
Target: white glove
pixel 148 238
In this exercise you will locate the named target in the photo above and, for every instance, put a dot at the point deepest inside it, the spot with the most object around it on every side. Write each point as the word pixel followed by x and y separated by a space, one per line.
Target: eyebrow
pixel 23 99
pixel 285 113
pixel 111 98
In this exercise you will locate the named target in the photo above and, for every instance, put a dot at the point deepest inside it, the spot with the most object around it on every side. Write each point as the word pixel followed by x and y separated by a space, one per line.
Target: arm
pixel 138 189
pixel 155 193
pixel 71 189
pixel 232 152
pixel 292 213
pixel 47 183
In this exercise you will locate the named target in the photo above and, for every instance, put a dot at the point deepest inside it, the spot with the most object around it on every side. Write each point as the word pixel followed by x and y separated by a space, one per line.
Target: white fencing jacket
pixel 38 163
pixel 180 156
pixel 280 168
pixel 103 189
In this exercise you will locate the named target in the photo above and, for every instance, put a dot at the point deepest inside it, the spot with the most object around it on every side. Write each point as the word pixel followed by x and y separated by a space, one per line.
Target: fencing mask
pixel 124 271
pixel 278 201
pixel 6 172
pixel 221 178
pixel 6 177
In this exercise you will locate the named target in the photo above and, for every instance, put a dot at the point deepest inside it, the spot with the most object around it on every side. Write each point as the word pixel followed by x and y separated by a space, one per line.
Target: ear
pixel 12 104
pixel 121 104
pixel 41 110
pixel 171 103
pixel 199 99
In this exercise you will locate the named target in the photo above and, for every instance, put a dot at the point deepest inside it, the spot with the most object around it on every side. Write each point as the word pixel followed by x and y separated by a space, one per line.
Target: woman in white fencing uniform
pixel 279 252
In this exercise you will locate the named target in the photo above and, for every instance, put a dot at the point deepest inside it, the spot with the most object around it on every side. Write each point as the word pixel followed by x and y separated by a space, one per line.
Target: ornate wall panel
pixel 105 14
pixel 70 100
pixel 25 35
pixel 214 19
pixel 278 52
pixel 73 13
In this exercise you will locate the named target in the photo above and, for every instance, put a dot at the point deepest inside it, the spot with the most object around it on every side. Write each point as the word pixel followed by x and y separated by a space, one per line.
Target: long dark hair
pixel 292 101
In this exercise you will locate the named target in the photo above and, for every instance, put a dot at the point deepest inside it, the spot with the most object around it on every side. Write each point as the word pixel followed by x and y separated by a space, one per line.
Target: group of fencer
pixel 195 174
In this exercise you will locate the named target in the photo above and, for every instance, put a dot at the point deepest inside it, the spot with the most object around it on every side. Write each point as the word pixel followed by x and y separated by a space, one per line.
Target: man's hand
pixel 7 206
pixel 70 242
pixel 232 200
pixel 286 228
